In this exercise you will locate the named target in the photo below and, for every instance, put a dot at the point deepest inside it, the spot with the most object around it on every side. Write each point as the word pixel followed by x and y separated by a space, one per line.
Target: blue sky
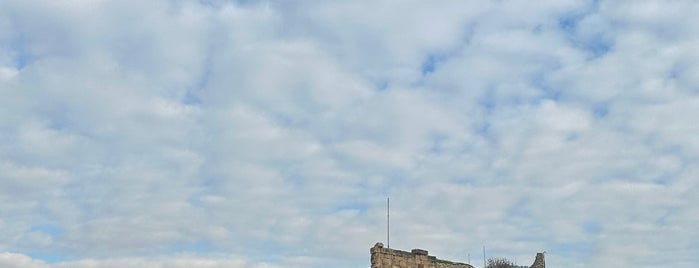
pixel 181 133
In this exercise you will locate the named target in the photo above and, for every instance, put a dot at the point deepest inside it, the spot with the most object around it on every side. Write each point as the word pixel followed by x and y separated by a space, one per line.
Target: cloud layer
pixel 269 133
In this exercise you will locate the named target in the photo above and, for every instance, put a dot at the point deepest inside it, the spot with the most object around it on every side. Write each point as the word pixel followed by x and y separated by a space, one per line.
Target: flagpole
pixel 388 222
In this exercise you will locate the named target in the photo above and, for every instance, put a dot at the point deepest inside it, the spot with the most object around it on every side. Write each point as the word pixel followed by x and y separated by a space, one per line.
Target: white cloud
pixel 12 260
pixel 168 133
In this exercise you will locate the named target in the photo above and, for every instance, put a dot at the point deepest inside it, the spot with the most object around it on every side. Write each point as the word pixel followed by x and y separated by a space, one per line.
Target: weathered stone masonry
pixel 539 262
pixel 390 258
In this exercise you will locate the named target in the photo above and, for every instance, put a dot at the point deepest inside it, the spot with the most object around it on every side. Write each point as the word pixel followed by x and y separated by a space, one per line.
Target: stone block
pixel 418 251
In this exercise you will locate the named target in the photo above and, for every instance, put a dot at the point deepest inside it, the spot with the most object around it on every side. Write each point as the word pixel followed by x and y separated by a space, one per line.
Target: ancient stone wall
pixel 539 262
pixel 390 258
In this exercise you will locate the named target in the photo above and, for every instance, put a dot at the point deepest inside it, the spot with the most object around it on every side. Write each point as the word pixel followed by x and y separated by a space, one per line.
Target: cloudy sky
pixel 213 133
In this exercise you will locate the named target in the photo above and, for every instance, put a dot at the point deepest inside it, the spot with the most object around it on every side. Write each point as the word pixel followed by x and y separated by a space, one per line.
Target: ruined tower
pixel 539 262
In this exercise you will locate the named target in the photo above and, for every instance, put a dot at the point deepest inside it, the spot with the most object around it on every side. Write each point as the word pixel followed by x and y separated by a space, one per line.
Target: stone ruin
pixel 418 258
pixel 539 262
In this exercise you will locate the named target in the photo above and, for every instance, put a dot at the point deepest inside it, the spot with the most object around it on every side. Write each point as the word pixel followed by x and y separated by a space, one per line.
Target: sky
pixel 183 133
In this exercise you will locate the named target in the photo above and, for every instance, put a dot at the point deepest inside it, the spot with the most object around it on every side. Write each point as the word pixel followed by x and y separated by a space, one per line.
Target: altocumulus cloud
pixel 268 133
pixel 10 260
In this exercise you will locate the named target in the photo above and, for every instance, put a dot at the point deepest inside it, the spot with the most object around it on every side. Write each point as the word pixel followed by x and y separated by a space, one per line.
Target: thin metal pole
pixel 484 257
pixel 388 222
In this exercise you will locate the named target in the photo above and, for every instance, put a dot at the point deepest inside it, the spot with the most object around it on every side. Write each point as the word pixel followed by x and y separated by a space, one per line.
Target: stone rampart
pixel 418 258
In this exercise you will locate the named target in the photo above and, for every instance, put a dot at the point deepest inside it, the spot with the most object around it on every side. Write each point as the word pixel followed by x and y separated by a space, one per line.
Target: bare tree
pixel 500 262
